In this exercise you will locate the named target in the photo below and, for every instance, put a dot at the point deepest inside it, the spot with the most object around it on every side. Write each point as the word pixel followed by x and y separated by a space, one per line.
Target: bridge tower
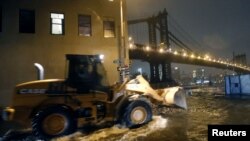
pixel 160 69
pixel 154 66
pixel 164 35
pixel 163 22
pixel 152 32
pixel 159 22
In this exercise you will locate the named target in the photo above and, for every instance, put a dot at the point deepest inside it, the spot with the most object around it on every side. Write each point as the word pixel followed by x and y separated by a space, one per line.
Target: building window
pixel 57 23
pixel 1 20
pixel 109 29
pixel 84 25
pixel 26 21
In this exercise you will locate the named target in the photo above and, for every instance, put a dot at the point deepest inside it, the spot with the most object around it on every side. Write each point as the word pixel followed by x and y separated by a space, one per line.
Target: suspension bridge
pixel 151 40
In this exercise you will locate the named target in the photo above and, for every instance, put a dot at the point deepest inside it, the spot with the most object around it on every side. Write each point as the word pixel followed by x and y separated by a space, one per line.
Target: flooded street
pixel 179 125
pixel 176 124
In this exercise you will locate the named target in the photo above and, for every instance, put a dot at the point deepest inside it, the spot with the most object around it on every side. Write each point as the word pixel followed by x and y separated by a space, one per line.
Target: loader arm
pixel 167 96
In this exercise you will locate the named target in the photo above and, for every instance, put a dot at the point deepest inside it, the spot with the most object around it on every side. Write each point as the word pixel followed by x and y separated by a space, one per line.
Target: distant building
pixel 199 76
pixel 176 74
pixel 43 31
pixel 186 78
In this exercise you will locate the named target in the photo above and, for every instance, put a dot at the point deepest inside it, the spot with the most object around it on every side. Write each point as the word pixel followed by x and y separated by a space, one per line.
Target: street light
pixel 122 42
pixel 122 46
pixel 122 50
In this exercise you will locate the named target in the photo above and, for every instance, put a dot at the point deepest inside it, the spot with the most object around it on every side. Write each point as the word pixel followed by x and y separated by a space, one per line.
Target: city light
pixel 170 50
pixel 139 70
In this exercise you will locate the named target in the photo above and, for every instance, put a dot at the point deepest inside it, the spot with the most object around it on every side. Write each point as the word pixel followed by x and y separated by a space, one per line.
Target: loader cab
pixel 84 72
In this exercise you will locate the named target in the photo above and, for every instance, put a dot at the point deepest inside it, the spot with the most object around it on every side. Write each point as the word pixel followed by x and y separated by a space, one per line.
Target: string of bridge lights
pixel 184 53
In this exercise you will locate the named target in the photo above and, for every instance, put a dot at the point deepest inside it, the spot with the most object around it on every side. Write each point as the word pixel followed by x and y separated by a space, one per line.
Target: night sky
pixel 220 26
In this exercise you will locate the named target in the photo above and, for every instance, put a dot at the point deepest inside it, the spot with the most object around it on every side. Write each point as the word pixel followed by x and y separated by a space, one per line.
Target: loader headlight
pixel 101 57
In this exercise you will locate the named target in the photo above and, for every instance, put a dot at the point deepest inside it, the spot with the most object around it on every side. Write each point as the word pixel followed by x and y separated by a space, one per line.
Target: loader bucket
pixel 174 96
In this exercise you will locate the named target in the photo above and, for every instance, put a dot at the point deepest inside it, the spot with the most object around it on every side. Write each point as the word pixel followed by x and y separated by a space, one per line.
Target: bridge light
pixel 206 57
pixel 161 50
pixel 148 48
pixel 175 53
pixel 192 56
pixel 184 54
pixel 198 57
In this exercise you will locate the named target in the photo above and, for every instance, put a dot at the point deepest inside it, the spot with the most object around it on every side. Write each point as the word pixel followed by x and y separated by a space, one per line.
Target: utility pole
pixel 121 47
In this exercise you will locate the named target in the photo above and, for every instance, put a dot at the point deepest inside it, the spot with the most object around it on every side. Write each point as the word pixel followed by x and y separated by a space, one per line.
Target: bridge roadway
pixel 157 57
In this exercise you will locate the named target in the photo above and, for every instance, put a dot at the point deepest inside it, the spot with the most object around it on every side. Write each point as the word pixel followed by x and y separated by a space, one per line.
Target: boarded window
pixel 84 25
pixel 26 21
pixel 57 23
pixel 109 29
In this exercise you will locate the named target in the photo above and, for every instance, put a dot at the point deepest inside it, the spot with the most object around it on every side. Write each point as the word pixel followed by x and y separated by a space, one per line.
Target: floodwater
pixel 176 124
pixel 179 125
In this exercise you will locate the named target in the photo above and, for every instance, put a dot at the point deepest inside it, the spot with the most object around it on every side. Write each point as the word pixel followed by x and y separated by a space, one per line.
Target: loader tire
pixel 137 113
pixel 53 122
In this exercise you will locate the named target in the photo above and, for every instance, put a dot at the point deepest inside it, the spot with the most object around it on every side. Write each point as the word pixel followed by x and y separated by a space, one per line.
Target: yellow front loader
pixel 56 107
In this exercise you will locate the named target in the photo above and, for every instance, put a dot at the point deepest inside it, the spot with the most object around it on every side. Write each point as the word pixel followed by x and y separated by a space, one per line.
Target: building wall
pixel 19 51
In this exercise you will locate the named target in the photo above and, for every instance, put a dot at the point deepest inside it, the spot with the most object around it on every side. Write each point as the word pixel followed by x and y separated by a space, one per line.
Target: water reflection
pixel 116 133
